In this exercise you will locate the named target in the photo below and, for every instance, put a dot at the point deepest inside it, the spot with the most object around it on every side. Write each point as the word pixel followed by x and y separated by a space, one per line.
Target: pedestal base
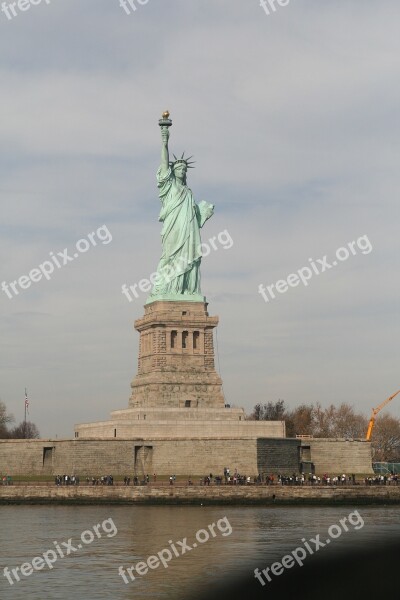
pixel 176 357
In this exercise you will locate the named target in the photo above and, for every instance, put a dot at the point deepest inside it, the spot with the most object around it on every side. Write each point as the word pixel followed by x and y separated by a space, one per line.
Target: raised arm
pixel 164 151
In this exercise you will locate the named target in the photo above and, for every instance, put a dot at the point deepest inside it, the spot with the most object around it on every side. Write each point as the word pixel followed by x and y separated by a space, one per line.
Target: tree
pixel 5 420
pixel 338 422
pixel 349 424
pixel 386 439
pixel 24 430
pixel 299 421
pixel 312 419
pixel 272 411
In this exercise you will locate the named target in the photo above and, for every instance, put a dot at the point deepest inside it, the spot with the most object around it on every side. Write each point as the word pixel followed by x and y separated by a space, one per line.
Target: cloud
pixel 292 119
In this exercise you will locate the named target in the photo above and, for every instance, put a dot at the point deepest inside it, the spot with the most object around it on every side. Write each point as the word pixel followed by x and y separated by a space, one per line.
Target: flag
pixel 26 402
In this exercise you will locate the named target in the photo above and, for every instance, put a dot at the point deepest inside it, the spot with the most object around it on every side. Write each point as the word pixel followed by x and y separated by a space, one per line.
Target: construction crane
pixel 375 412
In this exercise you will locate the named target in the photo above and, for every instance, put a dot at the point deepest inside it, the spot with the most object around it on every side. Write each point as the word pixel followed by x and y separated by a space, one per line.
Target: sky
pixel 292 116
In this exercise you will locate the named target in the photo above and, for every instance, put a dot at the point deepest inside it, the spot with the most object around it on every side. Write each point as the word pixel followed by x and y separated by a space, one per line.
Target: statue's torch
pixel 165 121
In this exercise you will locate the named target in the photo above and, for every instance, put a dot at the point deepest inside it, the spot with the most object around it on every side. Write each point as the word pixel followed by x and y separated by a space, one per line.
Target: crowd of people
pixel 228 479
pixel 234 479
pixel 74 480
pixel 104 480
pixel 382 480
pixel 66 480
pixel 137 481
pixel 312 479
pixel 284 479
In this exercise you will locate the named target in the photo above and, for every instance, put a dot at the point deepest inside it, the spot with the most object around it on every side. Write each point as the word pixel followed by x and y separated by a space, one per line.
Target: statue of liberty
pixel 178 272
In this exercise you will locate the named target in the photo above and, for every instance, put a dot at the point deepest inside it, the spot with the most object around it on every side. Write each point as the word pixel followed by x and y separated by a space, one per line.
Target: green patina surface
pixel 178 272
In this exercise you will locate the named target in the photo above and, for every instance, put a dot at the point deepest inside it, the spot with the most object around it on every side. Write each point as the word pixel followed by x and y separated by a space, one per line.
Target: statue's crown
pixel 184 160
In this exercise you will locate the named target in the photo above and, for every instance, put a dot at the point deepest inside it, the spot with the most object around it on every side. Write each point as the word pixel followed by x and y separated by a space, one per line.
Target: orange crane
pixel 375 412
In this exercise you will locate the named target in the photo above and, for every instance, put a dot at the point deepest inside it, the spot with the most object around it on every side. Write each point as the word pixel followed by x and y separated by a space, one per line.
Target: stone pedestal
pixel 177 417
pixel 176 358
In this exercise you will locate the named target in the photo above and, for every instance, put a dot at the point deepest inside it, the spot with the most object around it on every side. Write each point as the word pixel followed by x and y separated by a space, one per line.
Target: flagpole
pixel 26 399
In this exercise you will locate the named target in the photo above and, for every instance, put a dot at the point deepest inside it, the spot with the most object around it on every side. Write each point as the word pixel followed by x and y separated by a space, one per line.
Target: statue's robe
pixel 178 271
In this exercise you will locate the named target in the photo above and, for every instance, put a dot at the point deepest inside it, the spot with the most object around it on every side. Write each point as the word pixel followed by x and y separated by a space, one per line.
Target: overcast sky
pixel 293 119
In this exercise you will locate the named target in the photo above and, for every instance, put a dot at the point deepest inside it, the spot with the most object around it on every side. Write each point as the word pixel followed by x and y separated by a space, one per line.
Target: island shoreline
pixel 200 495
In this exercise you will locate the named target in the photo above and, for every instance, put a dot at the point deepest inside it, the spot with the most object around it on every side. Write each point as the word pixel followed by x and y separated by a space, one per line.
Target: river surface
pixel 241 539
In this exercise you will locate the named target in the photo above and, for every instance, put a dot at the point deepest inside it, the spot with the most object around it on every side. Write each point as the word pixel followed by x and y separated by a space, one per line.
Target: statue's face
pixel 180 171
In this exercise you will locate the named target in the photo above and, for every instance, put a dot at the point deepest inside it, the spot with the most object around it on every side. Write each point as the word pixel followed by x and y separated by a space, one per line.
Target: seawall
pixel 197 495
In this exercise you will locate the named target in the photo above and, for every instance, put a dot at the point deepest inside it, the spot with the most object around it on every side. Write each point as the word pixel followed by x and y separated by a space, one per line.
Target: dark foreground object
pixel 358 574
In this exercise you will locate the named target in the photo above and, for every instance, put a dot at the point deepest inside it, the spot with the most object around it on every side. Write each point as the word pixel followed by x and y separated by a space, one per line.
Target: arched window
pixel 174 335
pixel 185 335
pixel 196 337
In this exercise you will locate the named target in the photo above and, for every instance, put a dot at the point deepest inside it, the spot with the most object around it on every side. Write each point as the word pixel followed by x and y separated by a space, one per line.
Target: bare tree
pixel 299 421
pixel 271 411
pixel 335 422
pixel 338 422
pixel 5 420
pixel 24 430
pixel 348 423
pixel 386 439
pixel 323 425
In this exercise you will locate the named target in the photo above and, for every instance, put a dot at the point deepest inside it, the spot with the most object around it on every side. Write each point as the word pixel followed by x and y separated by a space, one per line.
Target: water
pixel 127 535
